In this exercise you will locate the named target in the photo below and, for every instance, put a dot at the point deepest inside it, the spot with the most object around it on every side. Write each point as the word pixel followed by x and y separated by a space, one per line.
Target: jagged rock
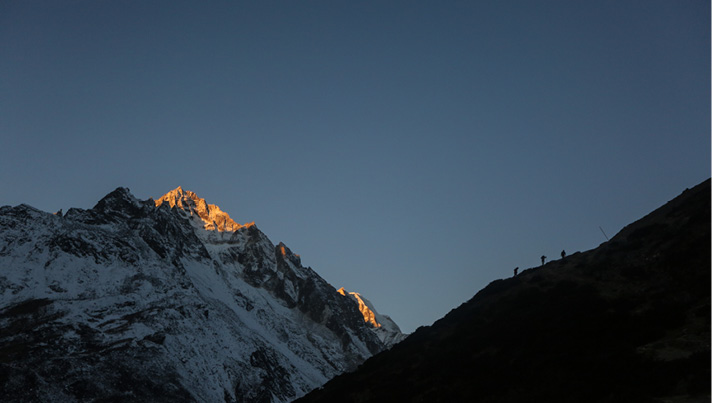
pixel 388 332
pixel 214 219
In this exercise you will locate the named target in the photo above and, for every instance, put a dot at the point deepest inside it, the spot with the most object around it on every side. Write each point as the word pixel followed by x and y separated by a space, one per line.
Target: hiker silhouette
pixel 543 259
pixel 516 269
pixel 563 254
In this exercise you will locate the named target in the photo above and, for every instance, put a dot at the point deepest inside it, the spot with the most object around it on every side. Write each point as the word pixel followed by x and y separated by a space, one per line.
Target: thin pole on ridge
pixel 604 234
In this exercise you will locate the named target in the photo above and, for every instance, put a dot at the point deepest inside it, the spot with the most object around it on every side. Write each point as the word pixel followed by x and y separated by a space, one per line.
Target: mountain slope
pixel 628 321
pixel 386 329
pixel 164 301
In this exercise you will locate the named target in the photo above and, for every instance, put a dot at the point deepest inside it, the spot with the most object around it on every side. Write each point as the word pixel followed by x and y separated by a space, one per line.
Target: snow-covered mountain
pixel 167 300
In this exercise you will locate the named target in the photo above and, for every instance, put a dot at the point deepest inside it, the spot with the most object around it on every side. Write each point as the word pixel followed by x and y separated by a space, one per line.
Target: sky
pixel 411 151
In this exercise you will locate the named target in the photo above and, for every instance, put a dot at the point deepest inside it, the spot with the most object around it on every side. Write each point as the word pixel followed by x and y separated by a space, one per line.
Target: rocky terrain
pixel 382 325
pixel 166 300
pixel 628 321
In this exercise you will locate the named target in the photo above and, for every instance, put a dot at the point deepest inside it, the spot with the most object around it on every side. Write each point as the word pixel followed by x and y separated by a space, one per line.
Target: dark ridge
pixel 119 203
pixel 628 321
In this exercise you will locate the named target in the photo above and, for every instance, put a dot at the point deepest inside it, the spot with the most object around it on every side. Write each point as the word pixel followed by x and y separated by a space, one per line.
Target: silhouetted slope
pixel 628 321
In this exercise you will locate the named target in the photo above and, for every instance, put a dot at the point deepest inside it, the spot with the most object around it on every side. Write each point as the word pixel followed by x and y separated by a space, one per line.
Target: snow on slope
pixel 385 328
pixel 136 300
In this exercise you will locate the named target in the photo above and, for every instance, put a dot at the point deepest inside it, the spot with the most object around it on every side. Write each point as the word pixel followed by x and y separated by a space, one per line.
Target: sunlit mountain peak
pixel 368 315
pixel 213 218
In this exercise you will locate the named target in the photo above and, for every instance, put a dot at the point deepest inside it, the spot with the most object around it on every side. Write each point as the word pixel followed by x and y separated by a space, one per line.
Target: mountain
pixel 628 321
pixel 166 300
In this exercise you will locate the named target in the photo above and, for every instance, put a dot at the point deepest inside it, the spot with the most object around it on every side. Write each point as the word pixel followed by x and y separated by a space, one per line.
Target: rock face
pixel 169 300
pixel 626 322
pixel 213 218
pixel 384 327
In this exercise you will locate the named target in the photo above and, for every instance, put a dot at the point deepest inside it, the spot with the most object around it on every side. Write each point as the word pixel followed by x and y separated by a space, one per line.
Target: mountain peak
pixel 363 305
pixel 119 202
pixel 213 218
pixel 385 328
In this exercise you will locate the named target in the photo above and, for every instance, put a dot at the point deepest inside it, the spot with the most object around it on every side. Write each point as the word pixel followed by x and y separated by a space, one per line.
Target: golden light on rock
pixel 214 218
pixel 368 315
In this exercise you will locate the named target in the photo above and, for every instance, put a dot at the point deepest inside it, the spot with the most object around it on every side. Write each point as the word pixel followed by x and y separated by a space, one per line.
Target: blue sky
pixel 412 151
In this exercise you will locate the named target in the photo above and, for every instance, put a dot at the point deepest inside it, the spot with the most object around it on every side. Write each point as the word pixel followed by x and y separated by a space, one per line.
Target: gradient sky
pixel 413 151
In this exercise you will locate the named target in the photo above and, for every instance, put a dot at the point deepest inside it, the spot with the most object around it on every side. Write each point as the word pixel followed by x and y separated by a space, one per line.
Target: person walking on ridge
pixel 543 259
pixel 516 269
pixel 563 254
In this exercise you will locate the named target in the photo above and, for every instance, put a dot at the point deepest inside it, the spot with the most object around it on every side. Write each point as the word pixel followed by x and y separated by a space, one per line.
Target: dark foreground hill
pixel 626 322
